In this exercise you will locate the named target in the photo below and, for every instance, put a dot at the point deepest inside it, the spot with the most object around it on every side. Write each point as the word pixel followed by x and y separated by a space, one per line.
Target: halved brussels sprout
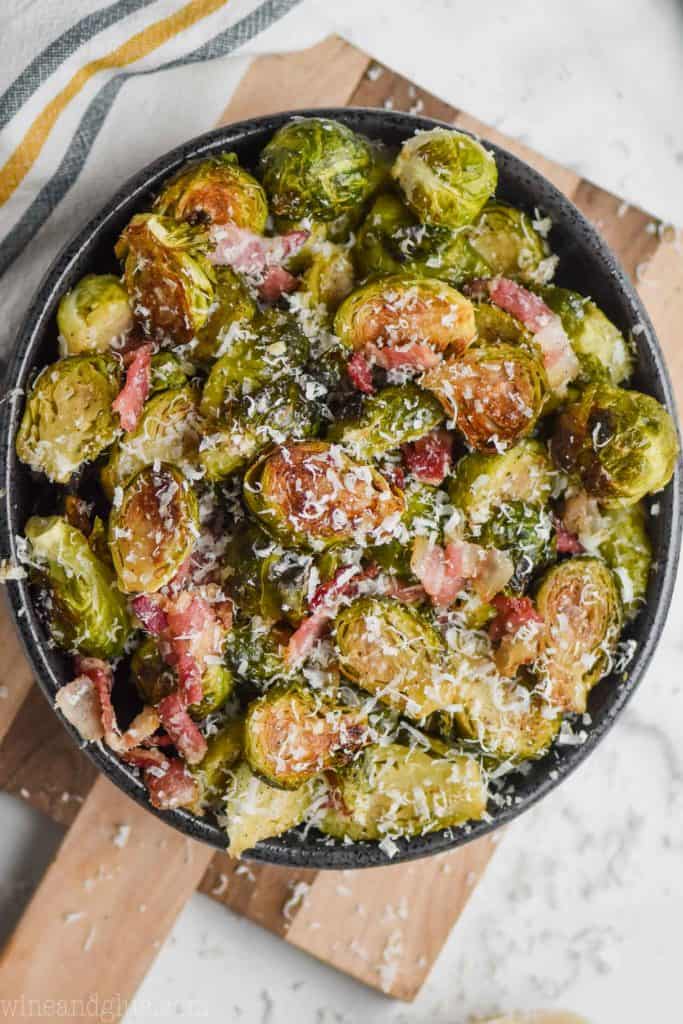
pixel 390 418
pixel 621 444
pixel 481 483
pixel 232 313
pixel 85 610
pixel 256 649
pixel 401 310
pixel 316 168
pixel 392 240
pixel 527 533
pixel 215 191
pixel 494 326
pixel 167 431
pixel 68 419
pixel 390 649
pixel 93 315
pixel 446 176
pixel 166 372
pixel 507 241
pixel 495 394
pixel 168 277
pixel 600 346
pixel 579 602
pixel 423 516
pixel 273 347
pixel 273 413
pixel 153 530
pixel 401 791
pixel 223 750
pixel 255 810
pixel 327 276
pixel 312 494
pixel 292 735
pixel 627 549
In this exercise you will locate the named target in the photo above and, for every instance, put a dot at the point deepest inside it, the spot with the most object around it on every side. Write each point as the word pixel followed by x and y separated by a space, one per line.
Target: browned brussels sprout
pixel 621 444
pixel 401 311
pixel 316 168
pixel 291 735
pixel 507 241
pixel 93 315
pixel 580 604
pixel 446 176
pixel 602 350
pixel 390 418
pixel 527 533
pixel 229 318
pixel 255 810
pixel 495 394
pixel 481 483
pixel 215 191
pixel 68 418
pixel 153 530
pixel 312 494
pixel 495 326
pixel 86 612
pixel 168 277
pixel 257 648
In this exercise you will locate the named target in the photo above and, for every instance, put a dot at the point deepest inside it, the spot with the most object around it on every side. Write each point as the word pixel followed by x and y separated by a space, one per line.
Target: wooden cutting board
pixel 383 926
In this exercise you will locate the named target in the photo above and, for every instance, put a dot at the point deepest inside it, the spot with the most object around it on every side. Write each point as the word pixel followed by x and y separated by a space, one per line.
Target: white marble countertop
pixel 582 904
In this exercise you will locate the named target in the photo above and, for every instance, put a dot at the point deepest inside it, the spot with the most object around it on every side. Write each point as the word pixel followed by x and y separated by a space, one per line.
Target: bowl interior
pixel 586 264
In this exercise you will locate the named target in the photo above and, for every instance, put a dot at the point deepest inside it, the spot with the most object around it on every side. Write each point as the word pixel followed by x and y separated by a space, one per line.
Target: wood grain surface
pixel 384 926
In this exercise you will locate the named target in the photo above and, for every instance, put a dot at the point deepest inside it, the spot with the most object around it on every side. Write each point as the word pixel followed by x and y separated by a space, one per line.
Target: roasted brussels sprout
pixel 215 191
pixel 223 750
pixel 579 602
pixel 85 611
pixel 389 419
pixel 327 276
pixel 390 649
pixel 256 649
pixel 166 372
pixel 425 512
pixel 291 735
pixel 94 315
pixel 317 168
pixel 621 444
pixel 603 353
pixel 256 811
pixel 273 413
pixel 168 277
pixel 400 311
pixel 312 494
pixel 392 240
pixel 507 241
pixel 494 326
pixel 230 316
pixel 446 176
pixel 526 532
pixel 400 791
pixel 68 419
pixel 495 394
pixel 167 431
pixel 627 549
pixel 482 482
pixel 153 530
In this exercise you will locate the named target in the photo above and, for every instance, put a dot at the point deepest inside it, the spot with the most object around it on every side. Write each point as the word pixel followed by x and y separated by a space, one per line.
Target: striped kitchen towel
pixel 90 92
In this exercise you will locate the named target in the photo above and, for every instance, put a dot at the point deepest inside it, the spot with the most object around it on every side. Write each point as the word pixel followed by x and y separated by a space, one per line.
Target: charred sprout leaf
pixel 68 419
pixel 223 750
pixel 215 191
pixel 446 176
pixel 621 444
pixel 167 373
pixel 292 735
pixel 85 610
pixel 580 604
pixel 390 418
pixel 390 649
pixel 167 431
pixel 494 393
pixel 507 241
pixel 256 811
pixel 94 315
pixel 168 277
pixel 401 310
pixel 153 530
pixel 312 494
pixel 231 315
pixel 482 483
pixel 395 791
pixel 317 168
pixel 526 532
pixel 603 353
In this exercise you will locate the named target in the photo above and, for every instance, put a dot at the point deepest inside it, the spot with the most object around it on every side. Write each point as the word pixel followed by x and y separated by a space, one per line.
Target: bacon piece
pixel 276 282
pixel 79 703
pixel 181 729
pixel 360 372
pixel 566 542
pixel 429 458
pixel 86 703
pixel 444 572
pixel 257 256
pixel 133 395
pixel 512 614
pixel 169 783
pixel 412 356
pixel 151 614
pixel 517 630
pixel 408 593
pixel 323 606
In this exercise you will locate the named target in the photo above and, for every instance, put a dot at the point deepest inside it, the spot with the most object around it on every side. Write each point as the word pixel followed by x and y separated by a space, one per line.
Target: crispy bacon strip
pixel 151 614
pixel 133 395
pixel 276 282
pixel 414 355
pixel 168 781
pixel 258 257
pixel 181 729
pixel 444 572
pixel 360 372
pixel 517 631
pixel 566 542
pixel 429 458
pixel 324 605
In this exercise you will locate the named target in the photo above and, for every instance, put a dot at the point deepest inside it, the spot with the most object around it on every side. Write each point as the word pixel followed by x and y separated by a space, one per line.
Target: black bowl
pixel 586 264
